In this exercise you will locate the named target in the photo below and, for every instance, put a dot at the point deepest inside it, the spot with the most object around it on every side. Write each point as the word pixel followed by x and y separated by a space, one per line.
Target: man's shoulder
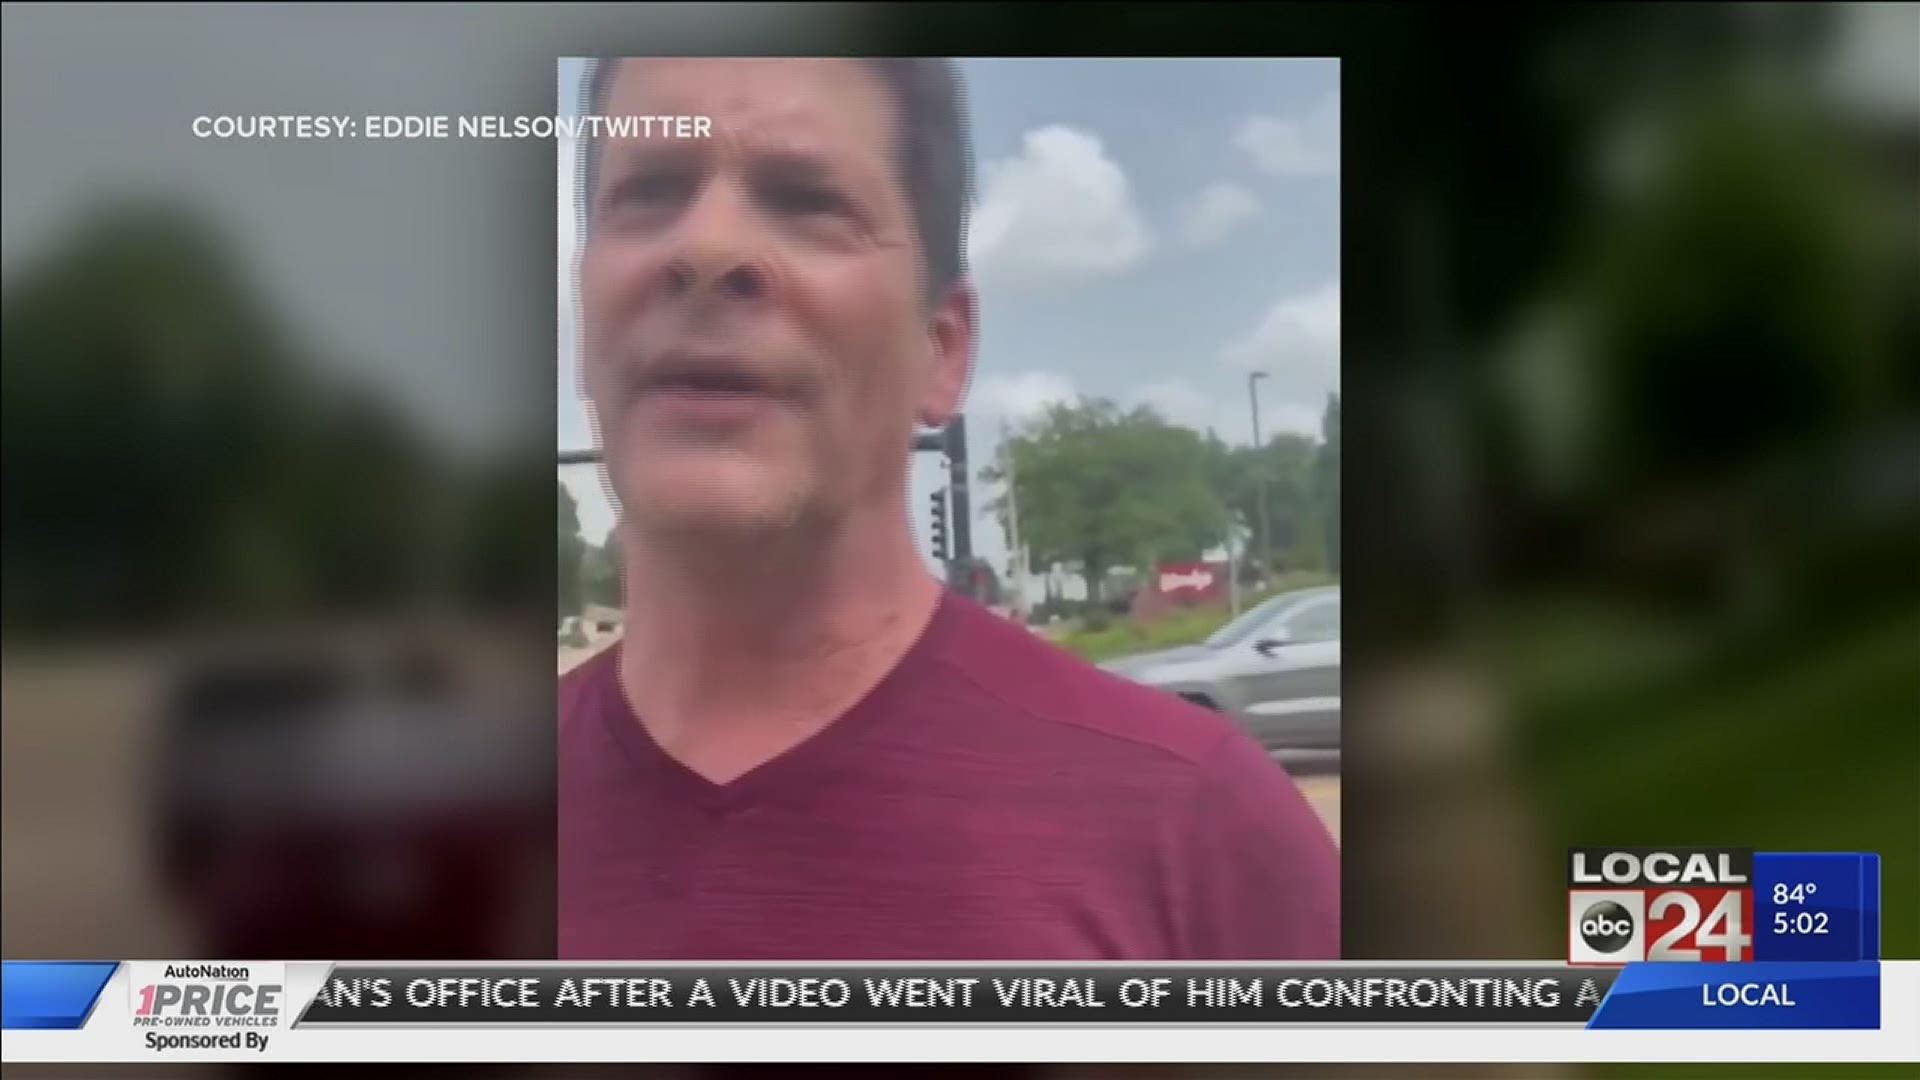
pixel 1033 680
pixel 581 684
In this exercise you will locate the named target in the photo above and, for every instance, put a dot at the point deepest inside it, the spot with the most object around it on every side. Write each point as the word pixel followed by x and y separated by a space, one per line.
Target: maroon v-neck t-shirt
pixel 993 798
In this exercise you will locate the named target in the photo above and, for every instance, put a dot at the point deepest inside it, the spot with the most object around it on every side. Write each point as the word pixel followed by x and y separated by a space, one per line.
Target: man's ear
pixel 953 331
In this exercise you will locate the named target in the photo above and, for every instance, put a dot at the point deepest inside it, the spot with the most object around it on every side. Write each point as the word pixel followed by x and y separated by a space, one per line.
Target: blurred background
pixel 1631 430
pixel 1634 399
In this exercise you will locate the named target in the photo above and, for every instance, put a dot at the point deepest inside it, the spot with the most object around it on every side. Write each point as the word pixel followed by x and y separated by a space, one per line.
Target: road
pixel 1324 793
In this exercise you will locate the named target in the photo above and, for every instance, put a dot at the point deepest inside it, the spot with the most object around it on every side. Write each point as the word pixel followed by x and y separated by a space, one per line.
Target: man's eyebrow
pixel 805 165
pixel 793 163
pixel 631 153
pixel 784 161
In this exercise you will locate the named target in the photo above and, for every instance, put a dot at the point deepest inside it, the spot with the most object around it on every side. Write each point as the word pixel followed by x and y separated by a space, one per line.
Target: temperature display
pixel 1784 893
pixel 1817 906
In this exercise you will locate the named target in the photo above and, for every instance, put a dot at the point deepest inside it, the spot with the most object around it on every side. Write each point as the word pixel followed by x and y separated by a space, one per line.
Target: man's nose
pixel 720 249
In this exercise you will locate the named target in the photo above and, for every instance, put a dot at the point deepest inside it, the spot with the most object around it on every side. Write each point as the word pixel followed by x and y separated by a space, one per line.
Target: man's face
pixel 758 347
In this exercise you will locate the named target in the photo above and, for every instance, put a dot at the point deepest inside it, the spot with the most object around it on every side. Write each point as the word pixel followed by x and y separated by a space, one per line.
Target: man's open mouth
pixel 711 383
pixel 718 378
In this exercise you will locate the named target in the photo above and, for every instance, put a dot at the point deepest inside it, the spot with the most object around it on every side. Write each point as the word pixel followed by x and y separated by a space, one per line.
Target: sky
pixel 1148 231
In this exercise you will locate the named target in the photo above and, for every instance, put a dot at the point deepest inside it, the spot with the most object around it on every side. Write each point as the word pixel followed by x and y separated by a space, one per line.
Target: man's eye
pixel 788 198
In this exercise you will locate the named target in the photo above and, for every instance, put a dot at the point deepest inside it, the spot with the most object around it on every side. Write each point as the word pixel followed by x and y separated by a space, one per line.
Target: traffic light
pixel 938 529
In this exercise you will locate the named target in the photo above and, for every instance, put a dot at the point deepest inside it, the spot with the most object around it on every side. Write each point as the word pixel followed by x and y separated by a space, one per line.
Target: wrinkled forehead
pixel 823 106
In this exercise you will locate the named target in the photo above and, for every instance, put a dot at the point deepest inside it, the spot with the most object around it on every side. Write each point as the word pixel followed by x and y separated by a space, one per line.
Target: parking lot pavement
pixel 1324 793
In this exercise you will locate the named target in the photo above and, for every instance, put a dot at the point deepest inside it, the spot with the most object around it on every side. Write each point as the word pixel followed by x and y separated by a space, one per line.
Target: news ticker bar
pixel 199 1000
pixel 1021 995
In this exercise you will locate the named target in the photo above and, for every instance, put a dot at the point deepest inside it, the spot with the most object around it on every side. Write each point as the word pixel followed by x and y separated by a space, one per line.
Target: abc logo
pixel 1606 927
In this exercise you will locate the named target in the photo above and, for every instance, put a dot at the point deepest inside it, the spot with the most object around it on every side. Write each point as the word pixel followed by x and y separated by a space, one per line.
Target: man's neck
pixel 729 660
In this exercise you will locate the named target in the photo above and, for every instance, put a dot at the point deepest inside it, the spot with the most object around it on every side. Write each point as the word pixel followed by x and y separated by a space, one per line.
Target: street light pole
pixel 1233 573
pixel 1259 471
pixel 1017 555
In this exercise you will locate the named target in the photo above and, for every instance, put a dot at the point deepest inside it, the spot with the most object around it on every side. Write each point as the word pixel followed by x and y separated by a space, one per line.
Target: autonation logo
pixel 193 995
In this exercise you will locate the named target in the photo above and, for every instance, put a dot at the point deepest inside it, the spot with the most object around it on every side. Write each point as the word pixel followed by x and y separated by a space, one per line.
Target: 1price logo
pixel 206 995
pixel 1630 904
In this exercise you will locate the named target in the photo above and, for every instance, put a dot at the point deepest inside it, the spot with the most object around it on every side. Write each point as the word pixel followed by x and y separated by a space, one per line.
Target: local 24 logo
pixel 1625 905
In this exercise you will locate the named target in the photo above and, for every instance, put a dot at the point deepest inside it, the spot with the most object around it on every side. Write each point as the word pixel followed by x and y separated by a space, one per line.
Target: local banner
pixel 303 1011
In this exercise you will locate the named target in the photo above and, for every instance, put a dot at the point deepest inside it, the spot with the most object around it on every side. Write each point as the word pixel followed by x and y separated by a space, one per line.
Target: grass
pixel 1803 746
pixel 1124 637
pixel 1634 730
pixel 1788 742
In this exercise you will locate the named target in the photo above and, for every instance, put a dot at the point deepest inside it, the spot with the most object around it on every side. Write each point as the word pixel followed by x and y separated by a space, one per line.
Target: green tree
pixel 600 573
pixel 1326 481
pixel 1286 464
pixel 1104 488
pixel 497 542
pixel 224 473
pixel 572 550
pixel 1695 309
pixel 1295 470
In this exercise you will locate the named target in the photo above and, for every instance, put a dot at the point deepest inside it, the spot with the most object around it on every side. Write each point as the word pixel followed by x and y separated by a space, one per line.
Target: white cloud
pixel 1219 405
pixel 1018 397
pixel 592 503
pixel 1214 213
pixel 1180 402
pixel 1225 409
pixel 586 483
pixel 1296 417
pixel 1061 210
pixel 1306 145
pixel 1297 342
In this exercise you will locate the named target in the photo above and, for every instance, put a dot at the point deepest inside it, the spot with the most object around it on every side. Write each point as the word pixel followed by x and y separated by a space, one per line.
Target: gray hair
pixel 934 156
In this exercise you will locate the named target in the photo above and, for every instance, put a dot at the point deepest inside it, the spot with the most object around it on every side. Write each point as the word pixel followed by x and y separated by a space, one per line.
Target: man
pixel 804 747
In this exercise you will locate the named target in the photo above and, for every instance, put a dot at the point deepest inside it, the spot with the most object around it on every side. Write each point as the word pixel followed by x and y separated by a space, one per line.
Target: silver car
pixel 1275 670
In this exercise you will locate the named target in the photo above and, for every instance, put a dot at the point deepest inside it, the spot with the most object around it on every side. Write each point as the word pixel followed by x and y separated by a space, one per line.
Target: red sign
pixel 1190 583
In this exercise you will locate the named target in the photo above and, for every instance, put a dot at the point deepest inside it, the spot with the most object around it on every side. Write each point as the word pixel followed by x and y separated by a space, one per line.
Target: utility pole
pixel 959 482
pixel 1259 471
pixel 1233 573
pixel 1016 552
